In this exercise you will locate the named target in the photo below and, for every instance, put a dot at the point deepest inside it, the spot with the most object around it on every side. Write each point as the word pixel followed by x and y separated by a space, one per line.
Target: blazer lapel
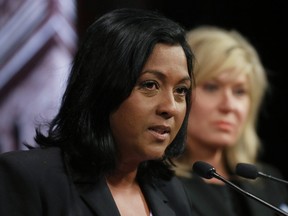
pixel 99 198
pixel 157 201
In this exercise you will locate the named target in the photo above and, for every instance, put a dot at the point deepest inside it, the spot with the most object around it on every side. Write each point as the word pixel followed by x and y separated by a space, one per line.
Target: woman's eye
pixel 210 87
pixel 240 91
pixel 151 85
pixel 182 91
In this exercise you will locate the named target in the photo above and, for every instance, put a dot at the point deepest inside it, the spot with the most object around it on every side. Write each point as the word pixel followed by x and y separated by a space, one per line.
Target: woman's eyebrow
pixel 163 76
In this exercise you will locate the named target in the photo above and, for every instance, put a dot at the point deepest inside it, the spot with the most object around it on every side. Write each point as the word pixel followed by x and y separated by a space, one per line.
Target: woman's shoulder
pixel 33 159
pixel 269 169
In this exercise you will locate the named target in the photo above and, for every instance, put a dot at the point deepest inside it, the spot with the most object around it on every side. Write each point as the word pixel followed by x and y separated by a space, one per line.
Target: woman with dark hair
pixel 123 117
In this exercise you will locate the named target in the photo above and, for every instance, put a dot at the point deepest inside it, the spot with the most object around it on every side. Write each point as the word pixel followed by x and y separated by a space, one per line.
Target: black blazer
pixel 207 200
pixel 36 182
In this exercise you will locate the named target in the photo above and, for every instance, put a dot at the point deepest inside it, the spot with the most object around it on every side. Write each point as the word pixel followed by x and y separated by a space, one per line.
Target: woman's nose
pixel 227 102
pixel 167 106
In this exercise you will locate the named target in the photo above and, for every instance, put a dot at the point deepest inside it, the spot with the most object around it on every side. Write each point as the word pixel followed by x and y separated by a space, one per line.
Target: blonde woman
pixel 230 85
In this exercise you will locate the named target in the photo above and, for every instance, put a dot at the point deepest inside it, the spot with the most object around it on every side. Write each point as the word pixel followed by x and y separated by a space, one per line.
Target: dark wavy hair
pixel 104 71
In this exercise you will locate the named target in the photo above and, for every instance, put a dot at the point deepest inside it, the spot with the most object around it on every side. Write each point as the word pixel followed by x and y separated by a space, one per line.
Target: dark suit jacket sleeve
pixel 35 183
pixel 16 184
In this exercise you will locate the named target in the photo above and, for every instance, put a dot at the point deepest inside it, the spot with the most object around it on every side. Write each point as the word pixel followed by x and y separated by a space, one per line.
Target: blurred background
pixel 39 38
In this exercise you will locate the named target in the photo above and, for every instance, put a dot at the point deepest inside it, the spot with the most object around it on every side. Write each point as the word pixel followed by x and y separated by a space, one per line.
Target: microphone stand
pixel 272 177
pixel 216 175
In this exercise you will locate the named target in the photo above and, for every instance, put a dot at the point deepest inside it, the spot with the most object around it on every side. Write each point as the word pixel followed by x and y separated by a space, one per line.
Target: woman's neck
pixel 127 193
pixel 212 156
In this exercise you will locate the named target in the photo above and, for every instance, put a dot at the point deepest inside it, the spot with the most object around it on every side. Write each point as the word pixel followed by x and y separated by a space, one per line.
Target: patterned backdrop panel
pixel 37 40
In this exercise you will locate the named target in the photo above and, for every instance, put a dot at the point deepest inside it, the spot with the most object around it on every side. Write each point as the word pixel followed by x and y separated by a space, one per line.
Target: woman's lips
pixel 224 125
pixel 160 132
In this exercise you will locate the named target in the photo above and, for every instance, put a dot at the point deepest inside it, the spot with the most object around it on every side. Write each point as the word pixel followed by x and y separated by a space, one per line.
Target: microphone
pixel 250 171
pixel 207 171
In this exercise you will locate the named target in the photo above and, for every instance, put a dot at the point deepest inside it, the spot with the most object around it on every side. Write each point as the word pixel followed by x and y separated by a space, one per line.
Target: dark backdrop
pixel 262 22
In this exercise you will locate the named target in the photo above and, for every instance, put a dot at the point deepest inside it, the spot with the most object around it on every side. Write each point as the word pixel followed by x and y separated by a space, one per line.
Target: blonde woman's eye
pixel 240 91
pixel 210 87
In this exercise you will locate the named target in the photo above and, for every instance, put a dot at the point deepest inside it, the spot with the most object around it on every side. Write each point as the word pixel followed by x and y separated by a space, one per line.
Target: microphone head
pixel 204 169
pixel 247 170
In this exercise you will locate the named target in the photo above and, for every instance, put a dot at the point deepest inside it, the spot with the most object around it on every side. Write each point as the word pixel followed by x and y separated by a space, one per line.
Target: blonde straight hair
pixel 216 49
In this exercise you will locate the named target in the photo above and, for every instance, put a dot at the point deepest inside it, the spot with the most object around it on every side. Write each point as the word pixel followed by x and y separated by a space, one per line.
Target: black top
pixel 221 200
pixel 37 182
